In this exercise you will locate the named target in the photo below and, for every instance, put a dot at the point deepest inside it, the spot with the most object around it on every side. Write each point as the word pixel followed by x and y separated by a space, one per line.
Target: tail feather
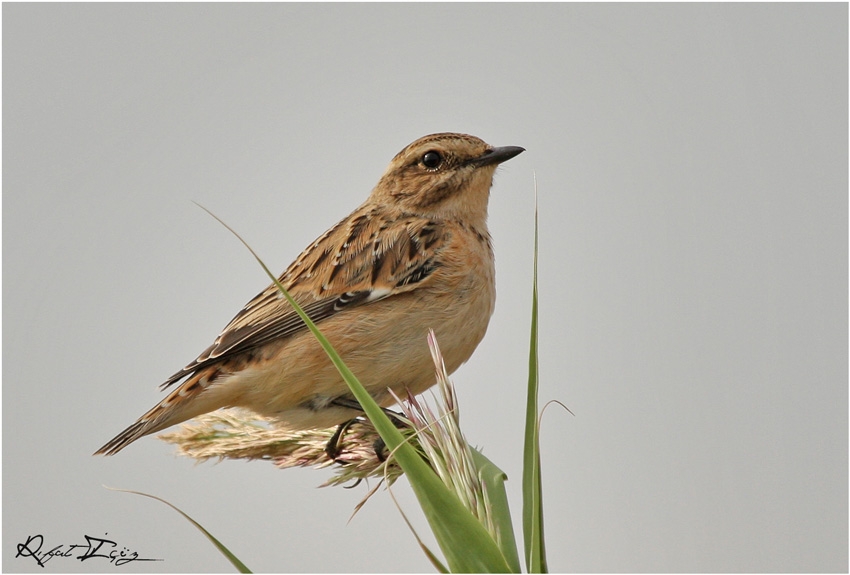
pixel 125 438
pixel 185 402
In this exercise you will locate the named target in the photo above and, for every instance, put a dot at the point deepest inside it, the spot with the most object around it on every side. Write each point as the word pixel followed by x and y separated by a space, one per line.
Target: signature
pixel 93 548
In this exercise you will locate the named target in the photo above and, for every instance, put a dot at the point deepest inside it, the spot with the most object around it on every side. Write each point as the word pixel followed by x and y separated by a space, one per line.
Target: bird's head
pixel 447 176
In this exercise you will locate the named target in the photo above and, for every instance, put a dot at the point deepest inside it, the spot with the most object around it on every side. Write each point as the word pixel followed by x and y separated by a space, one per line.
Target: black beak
pixel 496 156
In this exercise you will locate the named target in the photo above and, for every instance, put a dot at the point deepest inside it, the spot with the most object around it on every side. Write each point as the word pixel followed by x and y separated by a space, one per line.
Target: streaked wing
pixel 364 258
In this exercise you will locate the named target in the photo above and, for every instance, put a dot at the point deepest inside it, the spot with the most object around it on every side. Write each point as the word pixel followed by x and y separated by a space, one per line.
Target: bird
pixel 415 255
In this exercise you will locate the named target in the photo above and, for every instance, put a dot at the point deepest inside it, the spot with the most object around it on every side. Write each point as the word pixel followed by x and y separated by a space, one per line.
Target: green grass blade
pixel 466 544
pixel 532 508
pixel 494 482
pixel 435 561
pixel 224 550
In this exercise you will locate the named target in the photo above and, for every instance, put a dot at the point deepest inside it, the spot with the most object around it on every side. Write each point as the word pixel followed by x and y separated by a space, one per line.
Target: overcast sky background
pixel 692 171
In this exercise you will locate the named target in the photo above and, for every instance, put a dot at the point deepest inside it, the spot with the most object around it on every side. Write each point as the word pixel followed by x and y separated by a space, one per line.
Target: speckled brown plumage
pixel 415 255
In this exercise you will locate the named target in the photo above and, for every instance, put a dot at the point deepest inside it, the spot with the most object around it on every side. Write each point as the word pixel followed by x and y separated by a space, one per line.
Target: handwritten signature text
pixel 93 548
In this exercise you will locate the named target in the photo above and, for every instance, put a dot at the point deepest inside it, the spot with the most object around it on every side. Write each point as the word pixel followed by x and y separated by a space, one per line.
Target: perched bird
pixel 415 255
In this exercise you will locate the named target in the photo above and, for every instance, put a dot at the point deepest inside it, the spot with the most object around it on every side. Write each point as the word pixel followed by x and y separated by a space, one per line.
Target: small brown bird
pixel 415 255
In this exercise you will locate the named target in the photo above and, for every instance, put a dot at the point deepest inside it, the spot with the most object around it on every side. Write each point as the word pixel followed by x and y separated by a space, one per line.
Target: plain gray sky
pixel 692 167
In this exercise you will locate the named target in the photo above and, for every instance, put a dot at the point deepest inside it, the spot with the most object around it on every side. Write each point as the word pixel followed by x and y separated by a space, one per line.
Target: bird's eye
pixel 432 160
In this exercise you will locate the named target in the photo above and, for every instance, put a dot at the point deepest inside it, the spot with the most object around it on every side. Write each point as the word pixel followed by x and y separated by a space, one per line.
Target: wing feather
pixel 361 260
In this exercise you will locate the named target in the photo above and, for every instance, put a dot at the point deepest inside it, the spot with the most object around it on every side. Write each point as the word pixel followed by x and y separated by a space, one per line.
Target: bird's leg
pixel 379 446
pixel 333 447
